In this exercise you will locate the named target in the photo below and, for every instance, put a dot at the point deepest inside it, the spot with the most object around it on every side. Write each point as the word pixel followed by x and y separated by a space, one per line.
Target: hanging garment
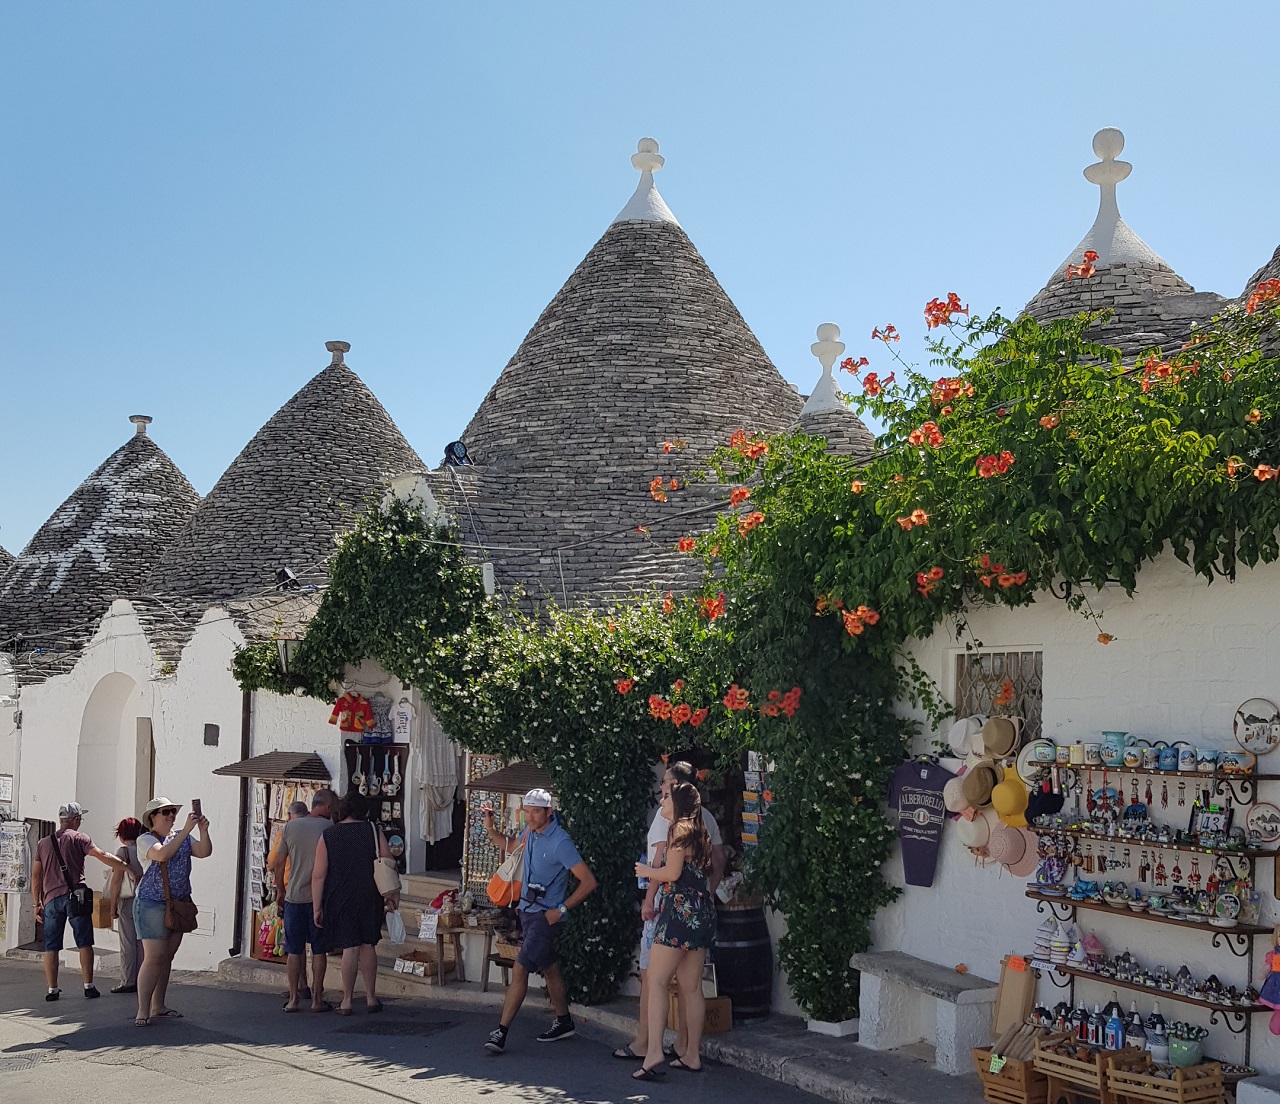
pixel 436 774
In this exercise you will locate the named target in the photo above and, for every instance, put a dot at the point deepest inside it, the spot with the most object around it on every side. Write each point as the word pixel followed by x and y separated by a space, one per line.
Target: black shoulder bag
pixel 80 897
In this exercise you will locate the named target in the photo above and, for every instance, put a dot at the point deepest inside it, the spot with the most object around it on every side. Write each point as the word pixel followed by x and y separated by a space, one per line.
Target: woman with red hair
pixel 121 889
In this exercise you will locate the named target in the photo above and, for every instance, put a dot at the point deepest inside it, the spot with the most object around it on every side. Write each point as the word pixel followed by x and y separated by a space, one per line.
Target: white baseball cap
pixel 71 810
pixel 538 799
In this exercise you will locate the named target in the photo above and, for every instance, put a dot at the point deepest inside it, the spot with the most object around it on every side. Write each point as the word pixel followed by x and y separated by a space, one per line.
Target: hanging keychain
pixel 1182 793
pixel 1177 869
pixel 1164 794
pixel 1088 797
pixel 1128 862
pixel 1147 792
pixel 1144 870
pixel 1161 878
pixel 1134 790
pixel 1088 857
pixel 1194 880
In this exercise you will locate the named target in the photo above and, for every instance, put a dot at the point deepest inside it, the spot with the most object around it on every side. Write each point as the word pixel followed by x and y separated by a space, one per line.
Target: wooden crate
pixel 1084 1071
pixel 1017 1082
pixel 1130 1082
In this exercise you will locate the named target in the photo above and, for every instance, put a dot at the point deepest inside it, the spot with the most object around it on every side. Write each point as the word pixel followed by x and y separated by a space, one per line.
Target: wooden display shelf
pixel 1162 994
pixel 1193 925
pixel 1157 772
pixel 1156 845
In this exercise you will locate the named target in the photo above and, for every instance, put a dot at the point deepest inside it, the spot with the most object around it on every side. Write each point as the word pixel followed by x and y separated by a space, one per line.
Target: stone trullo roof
pixel 99 545
pixel 825 413
pixel 640 346
pixel 294 487
pixel 1152 304
pixel 6 559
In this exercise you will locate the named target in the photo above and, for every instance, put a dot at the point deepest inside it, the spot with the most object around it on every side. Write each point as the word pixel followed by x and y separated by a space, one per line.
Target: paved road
pixel 238 1047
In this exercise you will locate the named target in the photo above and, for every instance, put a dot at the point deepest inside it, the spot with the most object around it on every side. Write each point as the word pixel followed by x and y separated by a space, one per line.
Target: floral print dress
pixel 686 912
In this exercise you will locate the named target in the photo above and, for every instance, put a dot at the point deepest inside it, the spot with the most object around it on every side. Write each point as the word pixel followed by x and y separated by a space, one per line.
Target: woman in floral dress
pixel 685 927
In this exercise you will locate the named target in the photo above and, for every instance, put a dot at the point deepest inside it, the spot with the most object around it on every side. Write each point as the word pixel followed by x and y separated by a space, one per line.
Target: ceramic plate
pixel 1263 818
pixel 1257 726
pixel 1228 906
pixel 1028 769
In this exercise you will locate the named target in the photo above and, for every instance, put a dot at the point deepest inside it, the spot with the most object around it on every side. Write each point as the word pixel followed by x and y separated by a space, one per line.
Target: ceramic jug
pixel 1113 745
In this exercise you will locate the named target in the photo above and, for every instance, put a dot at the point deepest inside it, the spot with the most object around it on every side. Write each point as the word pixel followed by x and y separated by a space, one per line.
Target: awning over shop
pixel 518 778
pixel 285 766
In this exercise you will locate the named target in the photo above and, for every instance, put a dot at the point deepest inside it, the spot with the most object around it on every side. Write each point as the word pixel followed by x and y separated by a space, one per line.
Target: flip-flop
pixel 644 1073
pixel 375 1007
pixel 343 1011
pixel 286 1008
pixel 678 1063
pixel 169 1014
pixel 141 1021
pixel 324 1006
pixel 670 1052
pixel 627 1054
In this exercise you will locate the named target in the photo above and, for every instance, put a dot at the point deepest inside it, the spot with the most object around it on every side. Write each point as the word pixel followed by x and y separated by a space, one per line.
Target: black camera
pixel 533 893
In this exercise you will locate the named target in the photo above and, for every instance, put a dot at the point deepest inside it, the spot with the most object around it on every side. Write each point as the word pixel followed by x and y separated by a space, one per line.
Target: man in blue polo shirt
pixel 549 858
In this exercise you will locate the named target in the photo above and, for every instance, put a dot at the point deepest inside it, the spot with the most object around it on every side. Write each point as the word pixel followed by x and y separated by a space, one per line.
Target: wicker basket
pixel 1130 1082
pixel 1016 1083
pixel 1067 1061
pixel 505 948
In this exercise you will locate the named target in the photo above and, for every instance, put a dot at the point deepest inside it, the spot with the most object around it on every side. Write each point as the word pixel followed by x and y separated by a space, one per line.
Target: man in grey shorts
pixel 549 858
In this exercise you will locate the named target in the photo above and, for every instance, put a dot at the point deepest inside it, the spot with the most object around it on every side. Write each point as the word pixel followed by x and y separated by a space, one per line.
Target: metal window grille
pixel 480 859
pixel 981 675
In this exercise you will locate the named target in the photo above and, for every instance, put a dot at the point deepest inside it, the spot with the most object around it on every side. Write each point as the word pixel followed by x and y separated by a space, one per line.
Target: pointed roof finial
pixel 141 421
pixel 1110 236
pixel 647 205
pixel 826 395
pixel 337 348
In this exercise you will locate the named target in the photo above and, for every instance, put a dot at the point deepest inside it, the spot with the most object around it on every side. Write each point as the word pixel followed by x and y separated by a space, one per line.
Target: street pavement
pixel 237 1046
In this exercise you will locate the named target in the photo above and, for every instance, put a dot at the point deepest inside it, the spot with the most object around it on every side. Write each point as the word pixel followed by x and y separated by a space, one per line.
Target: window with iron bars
pixel 981 676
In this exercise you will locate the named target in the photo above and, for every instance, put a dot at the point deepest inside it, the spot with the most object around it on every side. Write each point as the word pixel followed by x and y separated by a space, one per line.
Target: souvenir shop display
pixel 378 771
pixel 15 865
pixel 271 801
pixel 757 799
pixel 1161 832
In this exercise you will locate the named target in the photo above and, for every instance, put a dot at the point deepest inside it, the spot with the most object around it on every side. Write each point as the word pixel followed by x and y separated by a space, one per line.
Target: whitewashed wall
pixel 1186 655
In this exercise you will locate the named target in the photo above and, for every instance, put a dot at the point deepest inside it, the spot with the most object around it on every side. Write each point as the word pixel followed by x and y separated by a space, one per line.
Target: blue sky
pixel 193 198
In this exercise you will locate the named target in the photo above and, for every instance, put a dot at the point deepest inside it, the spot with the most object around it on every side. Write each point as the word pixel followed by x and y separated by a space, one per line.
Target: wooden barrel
pixel 744 959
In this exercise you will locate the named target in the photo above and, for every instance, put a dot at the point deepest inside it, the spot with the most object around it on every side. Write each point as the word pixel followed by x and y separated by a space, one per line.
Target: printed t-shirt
pixel 402 717
pixel 660 826
pixel 915 800
pixel 548 858
pixel 299 839
pixel 74 846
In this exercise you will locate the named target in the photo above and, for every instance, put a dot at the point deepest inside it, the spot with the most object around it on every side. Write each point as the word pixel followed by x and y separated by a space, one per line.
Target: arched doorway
pixel 115 760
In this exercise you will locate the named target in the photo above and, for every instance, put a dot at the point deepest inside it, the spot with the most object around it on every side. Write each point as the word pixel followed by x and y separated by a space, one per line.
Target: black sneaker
pixel 561 1028
pixel 497 1041
pixel 91 991
pixel 53 994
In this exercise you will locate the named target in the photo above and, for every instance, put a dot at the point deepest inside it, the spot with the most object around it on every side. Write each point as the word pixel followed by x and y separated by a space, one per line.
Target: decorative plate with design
pixel 1264 819
pixel 1257 726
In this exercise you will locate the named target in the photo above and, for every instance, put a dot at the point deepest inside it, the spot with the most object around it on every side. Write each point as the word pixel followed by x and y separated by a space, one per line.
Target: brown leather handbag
pixel 179 916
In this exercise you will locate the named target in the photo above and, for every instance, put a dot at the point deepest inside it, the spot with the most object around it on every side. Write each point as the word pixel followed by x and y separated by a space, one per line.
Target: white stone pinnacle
pixel 646 205
pixel 1110 236
pixel 337 348
pixel 141 421
pixel 826 395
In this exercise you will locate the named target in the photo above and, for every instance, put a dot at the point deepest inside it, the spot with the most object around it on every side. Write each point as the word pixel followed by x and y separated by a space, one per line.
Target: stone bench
pixel 903 999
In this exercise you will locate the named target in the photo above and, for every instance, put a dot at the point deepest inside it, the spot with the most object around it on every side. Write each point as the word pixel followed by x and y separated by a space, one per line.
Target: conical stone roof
pixel 640 346
pixel 6 559
pixel 825 413
pixel 1151 304
pixel 99 545
pixel 294 487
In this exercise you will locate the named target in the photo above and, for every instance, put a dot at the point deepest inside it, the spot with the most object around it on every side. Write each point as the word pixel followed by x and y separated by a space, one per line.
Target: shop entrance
pixel 115 759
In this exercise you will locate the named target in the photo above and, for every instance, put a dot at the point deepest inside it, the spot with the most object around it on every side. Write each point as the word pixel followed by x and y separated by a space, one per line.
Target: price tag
pixel 997 1063
pixel 427 926
pixel 1017 962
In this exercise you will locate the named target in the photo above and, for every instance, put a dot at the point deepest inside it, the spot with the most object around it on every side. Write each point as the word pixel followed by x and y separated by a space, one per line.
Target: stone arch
pixel 113 760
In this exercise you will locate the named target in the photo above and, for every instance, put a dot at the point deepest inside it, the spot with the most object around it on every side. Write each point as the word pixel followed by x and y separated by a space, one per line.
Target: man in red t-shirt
pixel 51 890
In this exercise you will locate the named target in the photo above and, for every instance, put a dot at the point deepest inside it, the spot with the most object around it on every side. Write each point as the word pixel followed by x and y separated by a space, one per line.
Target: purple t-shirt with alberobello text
pixel 916 805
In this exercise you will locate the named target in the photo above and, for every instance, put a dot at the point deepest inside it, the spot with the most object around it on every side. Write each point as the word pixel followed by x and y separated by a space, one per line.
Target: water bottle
pixel 643 883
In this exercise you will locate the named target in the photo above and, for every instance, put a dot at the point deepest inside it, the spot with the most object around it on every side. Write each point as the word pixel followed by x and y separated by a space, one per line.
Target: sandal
pixel 376 1006
pixel 169 1014
pixel 343 1011
pixel 141 1021
pixel 647 1073
pixel 627 1054
pixel 323 1006
pixel 290 1008
pixel 678 1063
pixel 670 1052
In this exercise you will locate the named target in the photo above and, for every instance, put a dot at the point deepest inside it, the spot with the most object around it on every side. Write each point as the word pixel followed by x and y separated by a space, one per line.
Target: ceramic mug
pixel 1186 758
pixel 1113 745
pixel 1185 1052
pixel 1077 755
pixel 1093 754
pixel 1169 758
pixel 1062 754
pixel 1238 762
pixel 1206 760
pixel 1151 758
pixel 1045 752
